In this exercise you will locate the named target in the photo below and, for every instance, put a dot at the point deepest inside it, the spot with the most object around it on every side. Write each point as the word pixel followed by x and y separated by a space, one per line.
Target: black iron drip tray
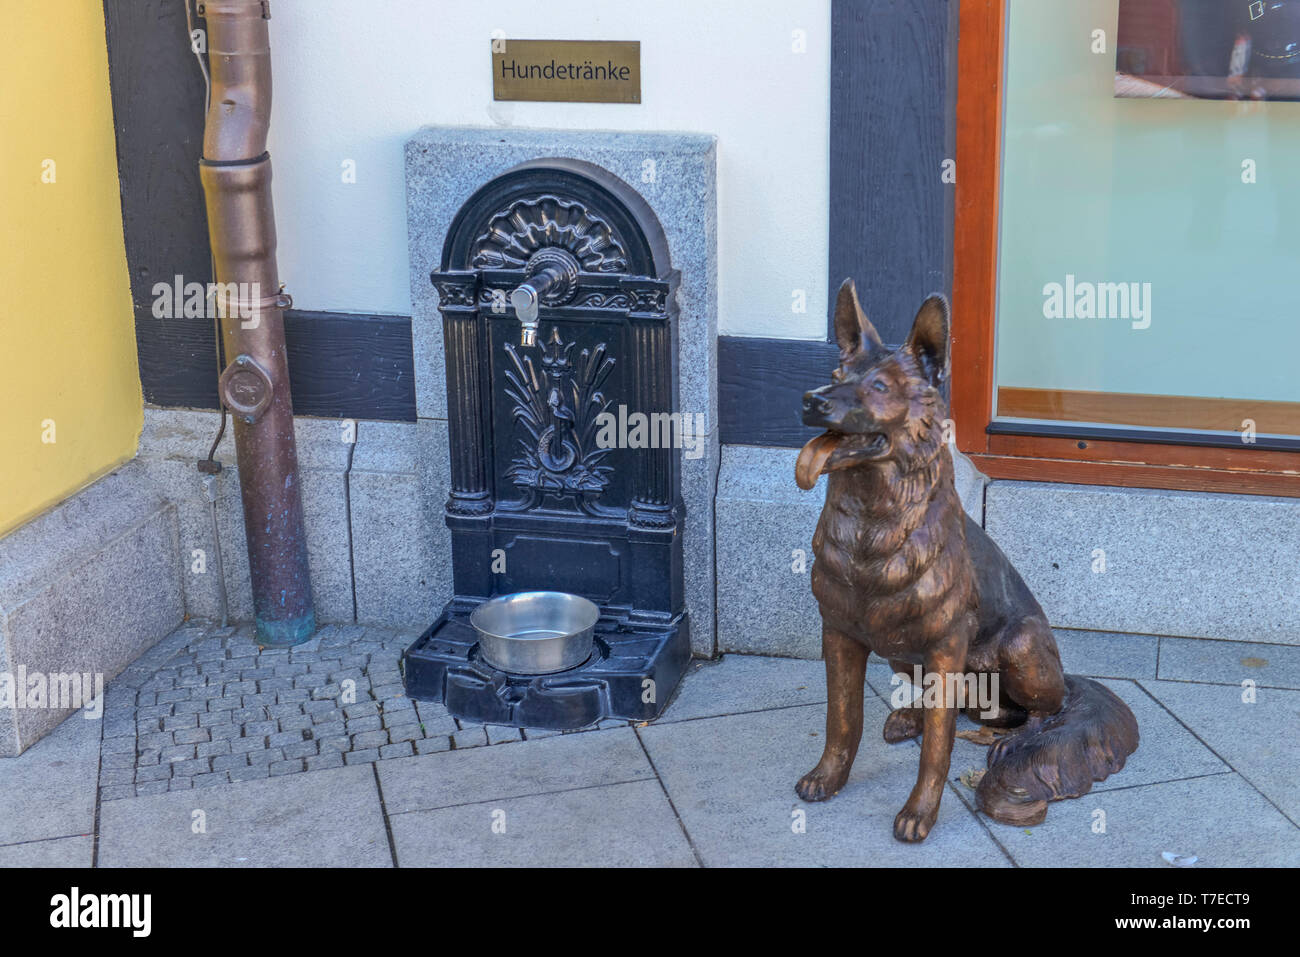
pixel 633 670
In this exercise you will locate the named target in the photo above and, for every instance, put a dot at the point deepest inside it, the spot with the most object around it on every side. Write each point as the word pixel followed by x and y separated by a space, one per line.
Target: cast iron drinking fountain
pixel 558 304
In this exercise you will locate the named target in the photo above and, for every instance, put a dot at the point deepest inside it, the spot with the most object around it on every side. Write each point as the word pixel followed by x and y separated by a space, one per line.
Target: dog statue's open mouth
pixel 836 450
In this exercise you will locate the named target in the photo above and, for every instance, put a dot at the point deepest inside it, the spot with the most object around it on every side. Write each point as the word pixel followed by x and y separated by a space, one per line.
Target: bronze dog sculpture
pixel 901 570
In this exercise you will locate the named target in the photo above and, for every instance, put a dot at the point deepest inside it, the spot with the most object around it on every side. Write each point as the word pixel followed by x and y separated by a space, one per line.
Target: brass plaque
pixel 567 71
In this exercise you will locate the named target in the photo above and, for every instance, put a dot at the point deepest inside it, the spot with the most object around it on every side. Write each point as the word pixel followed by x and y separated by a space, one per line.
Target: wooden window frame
pixel 1044 458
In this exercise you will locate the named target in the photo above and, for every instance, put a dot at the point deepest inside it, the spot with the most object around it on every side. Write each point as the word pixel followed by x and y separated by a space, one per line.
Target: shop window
pixel 1129 164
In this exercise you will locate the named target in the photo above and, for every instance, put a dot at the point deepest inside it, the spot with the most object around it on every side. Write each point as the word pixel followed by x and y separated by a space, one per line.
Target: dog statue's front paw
pixel 914 821
pixel 821 783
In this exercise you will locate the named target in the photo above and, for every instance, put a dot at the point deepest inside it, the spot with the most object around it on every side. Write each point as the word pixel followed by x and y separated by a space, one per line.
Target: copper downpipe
pixel 236 175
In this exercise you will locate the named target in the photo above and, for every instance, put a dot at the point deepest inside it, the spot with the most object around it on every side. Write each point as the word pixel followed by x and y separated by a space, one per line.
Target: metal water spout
pixel 552 277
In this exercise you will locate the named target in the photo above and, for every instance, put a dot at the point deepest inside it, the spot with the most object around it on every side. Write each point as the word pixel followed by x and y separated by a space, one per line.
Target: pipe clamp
pixel 234 307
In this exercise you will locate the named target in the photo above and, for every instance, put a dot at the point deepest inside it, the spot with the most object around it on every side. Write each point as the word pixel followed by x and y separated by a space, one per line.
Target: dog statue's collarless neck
pixel 879 491
pixel 868 518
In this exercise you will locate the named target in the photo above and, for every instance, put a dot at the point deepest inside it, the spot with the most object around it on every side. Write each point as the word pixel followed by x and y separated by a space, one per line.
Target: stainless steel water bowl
pixel 535 632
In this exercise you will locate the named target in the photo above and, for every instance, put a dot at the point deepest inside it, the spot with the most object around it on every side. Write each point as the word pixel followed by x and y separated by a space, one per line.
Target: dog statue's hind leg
pixel 1077 731
pixel 1029 667
pixel 846 672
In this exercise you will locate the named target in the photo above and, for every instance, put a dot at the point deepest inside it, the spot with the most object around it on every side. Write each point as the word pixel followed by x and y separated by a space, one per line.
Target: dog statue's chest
pixel 893 575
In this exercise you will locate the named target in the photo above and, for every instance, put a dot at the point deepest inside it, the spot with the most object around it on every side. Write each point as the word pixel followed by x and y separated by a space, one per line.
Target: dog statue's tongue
pixel 812 459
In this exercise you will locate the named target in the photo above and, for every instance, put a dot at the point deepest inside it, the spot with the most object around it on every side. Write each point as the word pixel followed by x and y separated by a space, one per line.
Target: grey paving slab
pixel 503 771
pixel 731 780
pixel 1258 740
pixel 1229 662
pixel 500 734
pixel 742 683
pixel 1220 819
pixel 1107 654
pixel 59 852
pixel 1167 751
pixel 618 825
pixel 49 791
pixel 323 819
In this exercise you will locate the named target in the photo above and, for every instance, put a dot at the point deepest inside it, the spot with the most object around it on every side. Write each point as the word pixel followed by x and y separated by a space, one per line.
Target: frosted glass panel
pixel 1150 248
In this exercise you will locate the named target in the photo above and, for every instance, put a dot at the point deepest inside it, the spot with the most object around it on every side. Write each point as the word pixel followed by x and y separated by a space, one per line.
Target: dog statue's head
pixel 882 404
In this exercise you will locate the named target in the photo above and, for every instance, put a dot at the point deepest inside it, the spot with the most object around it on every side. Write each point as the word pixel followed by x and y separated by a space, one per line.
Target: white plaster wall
pixel 355 78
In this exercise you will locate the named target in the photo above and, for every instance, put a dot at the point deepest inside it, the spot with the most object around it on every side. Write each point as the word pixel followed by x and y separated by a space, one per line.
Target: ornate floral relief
pixel 557 412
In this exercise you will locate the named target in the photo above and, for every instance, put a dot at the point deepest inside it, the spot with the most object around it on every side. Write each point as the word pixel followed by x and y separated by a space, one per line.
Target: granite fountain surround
pixel 535 501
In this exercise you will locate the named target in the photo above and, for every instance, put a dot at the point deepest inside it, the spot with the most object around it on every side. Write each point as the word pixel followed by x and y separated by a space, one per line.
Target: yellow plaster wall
pixel 68 368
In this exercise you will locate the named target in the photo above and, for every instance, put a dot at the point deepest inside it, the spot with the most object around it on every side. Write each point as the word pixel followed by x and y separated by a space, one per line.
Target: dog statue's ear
pixel 928 340
pixel 853 330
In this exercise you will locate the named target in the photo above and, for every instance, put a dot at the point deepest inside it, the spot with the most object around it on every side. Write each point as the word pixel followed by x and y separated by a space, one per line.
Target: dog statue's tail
pixel 1060 756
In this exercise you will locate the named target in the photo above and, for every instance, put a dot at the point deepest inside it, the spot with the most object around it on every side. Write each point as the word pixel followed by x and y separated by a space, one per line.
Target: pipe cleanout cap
pixel 246 388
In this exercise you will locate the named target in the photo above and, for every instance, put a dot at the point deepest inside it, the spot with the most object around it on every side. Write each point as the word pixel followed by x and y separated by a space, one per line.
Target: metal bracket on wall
pixel 200 9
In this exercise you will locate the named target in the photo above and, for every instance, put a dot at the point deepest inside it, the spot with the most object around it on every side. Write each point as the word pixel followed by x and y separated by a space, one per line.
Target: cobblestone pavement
pixel 208 706
pixel 211 752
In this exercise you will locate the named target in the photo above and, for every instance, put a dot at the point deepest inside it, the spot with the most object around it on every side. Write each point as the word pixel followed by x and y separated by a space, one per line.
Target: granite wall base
pixel 1126 564
pixel 1189 564
pixel 373 492
pixel 84 589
